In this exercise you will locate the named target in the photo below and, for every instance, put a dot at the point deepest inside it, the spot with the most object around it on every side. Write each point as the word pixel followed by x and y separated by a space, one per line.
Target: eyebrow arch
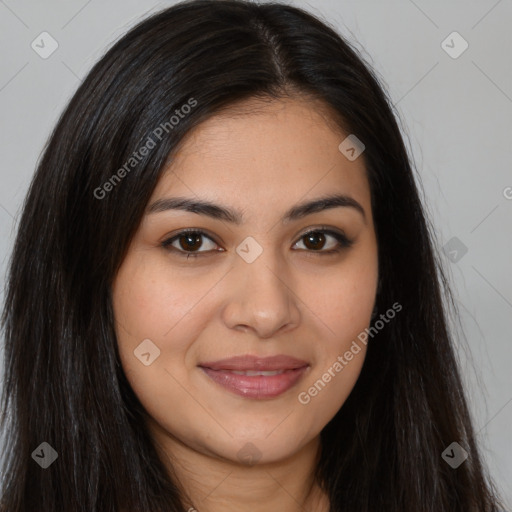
pixel 215 211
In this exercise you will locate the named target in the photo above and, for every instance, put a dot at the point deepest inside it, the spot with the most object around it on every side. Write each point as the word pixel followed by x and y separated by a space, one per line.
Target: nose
pixel 260 297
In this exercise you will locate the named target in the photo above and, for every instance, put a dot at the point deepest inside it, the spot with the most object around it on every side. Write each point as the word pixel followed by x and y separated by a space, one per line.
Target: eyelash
pixel 342 239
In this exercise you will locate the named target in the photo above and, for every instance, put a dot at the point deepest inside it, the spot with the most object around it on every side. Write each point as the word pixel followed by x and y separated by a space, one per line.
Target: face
pixel 279 290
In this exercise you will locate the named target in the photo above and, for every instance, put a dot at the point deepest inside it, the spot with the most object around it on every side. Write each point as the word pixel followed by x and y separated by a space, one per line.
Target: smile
pixel 254 377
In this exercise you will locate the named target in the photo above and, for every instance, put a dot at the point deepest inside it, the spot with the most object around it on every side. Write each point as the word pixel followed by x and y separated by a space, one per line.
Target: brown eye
pixel 189 242
pixel 315 241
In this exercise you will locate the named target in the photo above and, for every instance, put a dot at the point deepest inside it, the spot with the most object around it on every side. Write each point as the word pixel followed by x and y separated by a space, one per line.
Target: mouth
pixel 256 377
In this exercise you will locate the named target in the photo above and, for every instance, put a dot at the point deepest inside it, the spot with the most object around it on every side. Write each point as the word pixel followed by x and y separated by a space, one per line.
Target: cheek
pixel 344 300
pixel 343 305
pixel 346 311
pixel 141 299
pixel 147 307
pixel 144 310
pixel 150 301
pixel 154 302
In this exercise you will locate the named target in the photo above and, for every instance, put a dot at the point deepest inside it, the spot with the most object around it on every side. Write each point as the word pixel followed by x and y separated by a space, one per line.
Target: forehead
pixel 259 153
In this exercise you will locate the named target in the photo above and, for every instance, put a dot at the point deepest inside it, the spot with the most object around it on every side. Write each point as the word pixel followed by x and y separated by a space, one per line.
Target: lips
pixel 256 377
pixel 254 363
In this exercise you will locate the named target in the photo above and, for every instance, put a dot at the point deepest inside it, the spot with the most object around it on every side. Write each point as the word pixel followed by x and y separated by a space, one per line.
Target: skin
pixel 262 159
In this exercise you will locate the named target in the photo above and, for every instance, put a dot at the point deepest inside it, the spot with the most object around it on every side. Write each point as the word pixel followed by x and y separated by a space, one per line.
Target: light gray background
pixel 456 115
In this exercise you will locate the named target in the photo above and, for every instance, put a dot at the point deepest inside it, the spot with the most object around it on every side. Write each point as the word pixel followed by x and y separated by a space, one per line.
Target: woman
pixel 223 293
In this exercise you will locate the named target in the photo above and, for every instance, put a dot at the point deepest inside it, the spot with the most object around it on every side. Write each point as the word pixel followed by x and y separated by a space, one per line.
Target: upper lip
pixel 249 362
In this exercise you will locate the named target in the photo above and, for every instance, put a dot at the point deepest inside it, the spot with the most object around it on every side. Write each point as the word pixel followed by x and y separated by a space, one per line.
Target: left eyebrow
pixel 216 211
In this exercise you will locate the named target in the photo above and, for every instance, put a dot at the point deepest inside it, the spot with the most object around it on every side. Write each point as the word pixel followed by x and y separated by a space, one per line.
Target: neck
pixel 211 483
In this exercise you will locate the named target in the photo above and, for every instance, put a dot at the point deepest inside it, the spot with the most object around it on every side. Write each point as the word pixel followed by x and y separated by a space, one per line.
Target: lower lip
pixel 257 386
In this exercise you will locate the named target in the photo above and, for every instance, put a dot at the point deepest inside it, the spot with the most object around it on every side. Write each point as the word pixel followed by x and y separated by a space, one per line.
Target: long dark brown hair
pixel 64 384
